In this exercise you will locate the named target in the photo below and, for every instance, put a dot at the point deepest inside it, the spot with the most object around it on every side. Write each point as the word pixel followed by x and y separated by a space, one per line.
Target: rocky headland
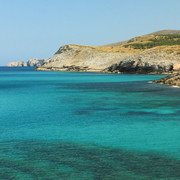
pixel 17 64
pixel 155 53
pixel 82 58
pixel 31 63
pixel 86 58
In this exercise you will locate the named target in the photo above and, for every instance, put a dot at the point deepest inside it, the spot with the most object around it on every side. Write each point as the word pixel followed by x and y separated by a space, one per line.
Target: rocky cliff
pixel 153 53
pixel 17 64
pixel 157 52
pixel 162 59
pixel 35 62
pixel 31 63
pixel 82 58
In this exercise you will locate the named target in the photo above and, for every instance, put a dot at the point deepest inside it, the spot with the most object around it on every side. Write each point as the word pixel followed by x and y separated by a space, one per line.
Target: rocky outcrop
pixel 85 58
pixel 17 64
pixel 132 65
pixel 154 53
pixel 35 62
pixel 173 80
pixel 66 68
pixel 153 60
pixel 31 63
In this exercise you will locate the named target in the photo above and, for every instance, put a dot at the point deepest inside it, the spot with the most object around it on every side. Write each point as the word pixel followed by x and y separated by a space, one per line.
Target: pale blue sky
pixel 37 28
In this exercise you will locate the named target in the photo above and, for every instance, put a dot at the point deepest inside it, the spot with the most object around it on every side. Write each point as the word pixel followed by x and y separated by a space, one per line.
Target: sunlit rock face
pixel 17 64
pixel 31 63
pixel 35 62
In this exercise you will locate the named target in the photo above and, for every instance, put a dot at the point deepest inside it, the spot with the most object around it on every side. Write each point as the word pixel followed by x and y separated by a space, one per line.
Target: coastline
pixel 61 69
pixel 172 78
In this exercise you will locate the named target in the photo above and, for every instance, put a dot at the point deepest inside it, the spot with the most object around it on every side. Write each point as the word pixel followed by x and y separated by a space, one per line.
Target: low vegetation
pixel 157 40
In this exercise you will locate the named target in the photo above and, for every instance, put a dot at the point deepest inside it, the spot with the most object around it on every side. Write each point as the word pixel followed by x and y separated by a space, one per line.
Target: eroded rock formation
pixel 17 64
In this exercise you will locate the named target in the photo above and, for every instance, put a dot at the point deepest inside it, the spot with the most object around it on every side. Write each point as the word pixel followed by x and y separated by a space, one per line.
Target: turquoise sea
pixel 87 126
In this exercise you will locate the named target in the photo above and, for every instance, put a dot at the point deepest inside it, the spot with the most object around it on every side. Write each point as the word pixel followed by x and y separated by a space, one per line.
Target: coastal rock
pixel 155 53
pixel 149 61
pixel 132 65
pixel 173 80
pixel 86 58
pixel 35 62
pixel 157 60
pixel 31 63
pixel 17 64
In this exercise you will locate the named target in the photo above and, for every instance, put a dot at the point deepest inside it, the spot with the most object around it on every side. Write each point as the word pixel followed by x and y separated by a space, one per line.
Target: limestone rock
pixel 17 64
pixel 157 60
pixel 158 52
pixel 148 61
pixel 35 62
pixel 82 56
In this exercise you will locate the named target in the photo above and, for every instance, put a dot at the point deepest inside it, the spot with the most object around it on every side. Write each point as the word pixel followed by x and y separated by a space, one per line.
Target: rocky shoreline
pixel 173 80
pixel 156 53
pixel 30 63
pixel 87 69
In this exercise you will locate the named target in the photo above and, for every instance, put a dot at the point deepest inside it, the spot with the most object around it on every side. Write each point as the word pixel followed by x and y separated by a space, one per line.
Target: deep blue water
pixel 68 125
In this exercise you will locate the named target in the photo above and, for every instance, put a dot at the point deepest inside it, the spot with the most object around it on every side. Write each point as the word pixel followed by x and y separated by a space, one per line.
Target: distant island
pixel 155 53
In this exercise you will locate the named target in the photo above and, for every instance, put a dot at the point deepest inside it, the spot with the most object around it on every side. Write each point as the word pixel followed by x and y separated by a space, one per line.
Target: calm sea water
pixel 68 125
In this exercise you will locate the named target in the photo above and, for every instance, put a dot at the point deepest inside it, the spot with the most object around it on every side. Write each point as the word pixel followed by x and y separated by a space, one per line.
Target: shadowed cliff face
pixel 146 63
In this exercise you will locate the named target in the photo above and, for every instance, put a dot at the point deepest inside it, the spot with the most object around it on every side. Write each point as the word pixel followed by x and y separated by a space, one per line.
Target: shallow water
pixel 67 125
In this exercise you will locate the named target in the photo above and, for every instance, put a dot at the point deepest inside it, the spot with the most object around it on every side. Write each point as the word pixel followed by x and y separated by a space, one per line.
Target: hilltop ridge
pixel 166 31
pixel 119 43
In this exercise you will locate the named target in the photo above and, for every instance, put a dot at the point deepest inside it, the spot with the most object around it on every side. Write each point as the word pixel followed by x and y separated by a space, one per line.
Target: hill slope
pixel 154 53
pixel 167 31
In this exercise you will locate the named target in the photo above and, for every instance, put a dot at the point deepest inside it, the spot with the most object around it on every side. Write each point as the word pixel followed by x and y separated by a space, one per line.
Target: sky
pixel 37 28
